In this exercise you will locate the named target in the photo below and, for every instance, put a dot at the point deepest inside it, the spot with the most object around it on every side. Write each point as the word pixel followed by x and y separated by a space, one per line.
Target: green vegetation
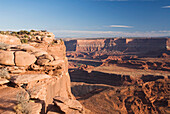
pixel 26 36
pixel 23 106
pixel 21 32
pixel 24 40
pixel 5 32
pixel 13 33
pixel 2 32
pixel 48 35
pixel 32 31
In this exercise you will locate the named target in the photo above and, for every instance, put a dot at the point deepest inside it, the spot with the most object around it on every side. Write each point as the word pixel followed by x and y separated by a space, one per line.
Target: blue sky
pixel 88 18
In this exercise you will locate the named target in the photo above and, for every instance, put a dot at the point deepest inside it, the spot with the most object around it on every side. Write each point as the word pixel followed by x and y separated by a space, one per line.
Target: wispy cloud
pixel 89 34
pixel 116 0
pixel 120 26
pixel 166 7
pixel 112 0
pixel 124 0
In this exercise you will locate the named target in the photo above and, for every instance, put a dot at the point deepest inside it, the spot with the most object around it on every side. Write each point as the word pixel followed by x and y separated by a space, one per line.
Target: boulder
pixel 3 81
pixel 7 58
pixel 26 47
pixel 24 58
pixel 68 106
pixel 38 92
pixel 39 53
pixel 26 78
pixel 7 39
pixel 42 61
pixel 48 39
pixel 35 107
pixel 54 63
pixel 46 56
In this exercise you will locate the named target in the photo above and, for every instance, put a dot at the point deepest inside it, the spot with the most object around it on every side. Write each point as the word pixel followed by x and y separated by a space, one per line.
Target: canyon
pixel 120 75
pixel 43 75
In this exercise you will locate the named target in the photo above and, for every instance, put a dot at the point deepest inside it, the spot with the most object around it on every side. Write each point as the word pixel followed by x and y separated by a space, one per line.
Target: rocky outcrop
pixel 38 69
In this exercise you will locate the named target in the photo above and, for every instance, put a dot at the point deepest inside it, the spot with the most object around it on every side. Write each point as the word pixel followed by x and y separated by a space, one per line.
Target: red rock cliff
pixel 32 75
pixel 134 45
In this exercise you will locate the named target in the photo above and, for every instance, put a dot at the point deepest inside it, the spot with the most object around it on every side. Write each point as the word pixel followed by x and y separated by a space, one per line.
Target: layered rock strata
pixel 138 46
pixel 32 75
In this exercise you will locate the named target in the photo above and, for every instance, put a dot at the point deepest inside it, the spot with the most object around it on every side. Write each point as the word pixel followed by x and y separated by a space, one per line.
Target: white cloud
pixel 116 0
pixel 165 31
pixel 112 0
pixel 166 7
pixel 124 0
pixel 120 26
pixel 90 34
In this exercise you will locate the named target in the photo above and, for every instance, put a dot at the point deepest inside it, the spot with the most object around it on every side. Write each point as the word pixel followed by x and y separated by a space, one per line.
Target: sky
pixel 88 18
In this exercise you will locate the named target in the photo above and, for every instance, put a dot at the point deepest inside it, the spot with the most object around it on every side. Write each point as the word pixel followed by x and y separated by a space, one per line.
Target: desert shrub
pixel 7 32
pixel 24 40
pixel 43 30
pixel 32 31
pixel 4 73
pixel 61 40
pixel 23 32
pixel 14 33
pixel 54 42
pixel 23 106
pixel 48 35
pixel 2 32
pixel 17 36
pixel 25 36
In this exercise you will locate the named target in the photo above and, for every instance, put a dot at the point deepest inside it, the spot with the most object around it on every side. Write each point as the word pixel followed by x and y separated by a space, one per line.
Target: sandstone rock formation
pixel 7 58
pixel 139 46
pixel 24 58
pixel 9 39
pixel 68 106
pixel 38 70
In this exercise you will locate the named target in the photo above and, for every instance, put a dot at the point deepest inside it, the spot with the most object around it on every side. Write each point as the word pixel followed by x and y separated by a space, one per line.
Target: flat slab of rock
pixel 42 61
pixel 36 108
pixel 39 53
pixel 24 58
pixel 9 39
pixel 3 81
pixel 7 58
pixel 38 92
pixel 8 99
pixel 54 63
pixel 26 78
pixel 68 105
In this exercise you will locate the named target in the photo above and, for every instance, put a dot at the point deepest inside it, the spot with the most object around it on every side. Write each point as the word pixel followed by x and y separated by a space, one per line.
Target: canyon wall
pixel 34 78
pixel 130 45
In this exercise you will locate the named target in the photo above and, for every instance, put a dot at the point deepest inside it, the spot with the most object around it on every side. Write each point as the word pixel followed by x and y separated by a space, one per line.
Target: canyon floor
pixel 130 86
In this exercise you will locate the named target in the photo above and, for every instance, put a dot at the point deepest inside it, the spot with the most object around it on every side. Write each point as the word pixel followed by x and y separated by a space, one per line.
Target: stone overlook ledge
pixel 34 76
